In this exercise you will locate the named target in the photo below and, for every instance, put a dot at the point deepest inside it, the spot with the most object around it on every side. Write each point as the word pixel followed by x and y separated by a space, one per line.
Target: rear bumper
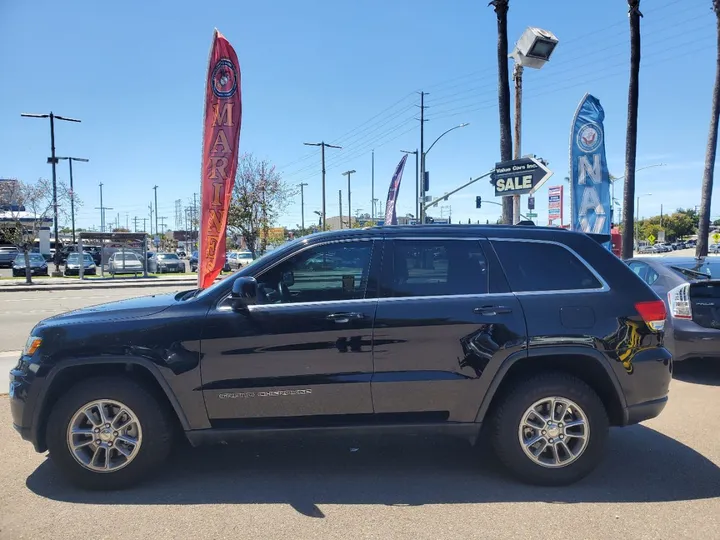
pixel 687 339
pixel 644 411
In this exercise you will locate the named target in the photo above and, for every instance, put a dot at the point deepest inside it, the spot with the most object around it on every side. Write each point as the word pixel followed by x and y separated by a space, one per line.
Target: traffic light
pixel 531 203
pixel 478 201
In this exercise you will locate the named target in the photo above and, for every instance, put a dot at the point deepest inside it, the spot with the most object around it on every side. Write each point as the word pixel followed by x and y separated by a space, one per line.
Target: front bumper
pixel 33 271
pixel 23 397
pixel 687 339
pixel 76 271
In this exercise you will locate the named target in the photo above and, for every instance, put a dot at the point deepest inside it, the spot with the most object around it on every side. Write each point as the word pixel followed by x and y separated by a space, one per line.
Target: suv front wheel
pixel 108 433
pixel 550 430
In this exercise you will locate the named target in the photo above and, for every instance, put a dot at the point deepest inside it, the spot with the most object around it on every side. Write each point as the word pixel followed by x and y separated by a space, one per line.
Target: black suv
pixel 540 336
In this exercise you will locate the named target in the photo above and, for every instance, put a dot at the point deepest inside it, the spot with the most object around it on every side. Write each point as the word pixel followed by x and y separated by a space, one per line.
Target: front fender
pixel 46 392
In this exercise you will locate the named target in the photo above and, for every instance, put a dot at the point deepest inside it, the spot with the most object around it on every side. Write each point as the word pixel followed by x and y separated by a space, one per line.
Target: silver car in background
pixel 125 262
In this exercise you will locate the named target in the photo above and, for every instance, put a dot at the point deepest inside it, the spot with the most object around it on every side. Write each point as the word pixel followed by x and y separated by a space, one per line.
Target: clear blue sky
pixel 345 72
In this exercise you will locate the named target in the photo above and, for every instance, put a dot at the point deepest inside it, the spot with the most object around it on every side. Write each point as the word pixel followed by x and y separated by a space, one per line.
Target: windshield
pixel 75 258
pixel 168 257
pixel 126 257
pixel 244 256
pixel 34 257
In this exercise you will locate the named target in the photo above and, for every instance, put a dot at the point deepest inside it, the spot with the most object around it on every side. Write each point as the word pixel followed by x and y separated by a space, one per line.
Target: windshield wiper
pixel 692 273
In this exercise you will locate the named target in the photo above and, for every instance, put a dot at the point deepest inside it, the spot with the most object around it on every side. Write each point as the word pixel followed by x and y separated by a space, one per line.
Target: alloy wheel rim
pixel 104 436
pixel 554 432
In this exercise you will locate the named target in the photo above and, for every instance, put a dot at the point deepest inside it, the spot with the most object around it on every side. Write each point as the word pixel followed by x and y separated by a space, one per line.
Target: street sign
pixel 651 239
pixel 531 215
pixel 519 176
pixel 716 238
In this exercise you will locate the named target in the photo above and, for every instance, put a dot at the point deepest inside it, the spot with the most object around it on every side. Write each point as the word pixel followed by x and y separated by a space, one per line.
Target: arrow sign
pixel 547 173
pixel 519 176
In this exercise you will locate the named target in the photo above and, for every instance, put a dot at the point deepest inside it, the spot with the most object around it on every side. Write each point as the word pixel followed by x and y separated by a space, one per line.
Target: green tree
pixel 707 185
pixel 29 206
pixel 259 197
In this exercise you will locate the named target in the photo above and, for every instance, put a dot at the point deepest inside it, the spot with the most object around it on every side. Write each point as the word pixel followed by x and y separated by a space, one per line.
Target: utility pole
pixel 127 222
pixel 144 220
pixel 135 222
pixel 162 225
pixel 72 192
pixel 339 206
pixel 517 78
pixel 421 188
pixel 302 205
pixel 372 189
pixel 151 218
pixel 102 209
pixel 53 161
pixel 348 173
pixel 322 146
pixel 156 211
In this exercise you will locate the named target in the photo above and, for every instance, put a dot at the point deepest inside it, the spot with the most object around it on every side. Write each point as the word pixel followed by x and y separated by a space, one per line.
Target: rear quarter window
pixel 543 266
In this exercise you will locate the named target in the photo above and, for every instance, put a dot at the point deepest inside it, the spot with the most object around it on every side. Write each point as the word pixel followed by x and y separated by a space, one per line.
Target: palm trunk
pixel 501 9
pixel 631 139
pixel 706 198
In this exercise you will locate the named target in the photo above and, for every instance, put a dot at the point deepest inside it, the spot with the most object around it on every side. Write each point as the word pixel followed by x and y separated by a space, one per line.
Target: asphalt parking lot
pixel 658 480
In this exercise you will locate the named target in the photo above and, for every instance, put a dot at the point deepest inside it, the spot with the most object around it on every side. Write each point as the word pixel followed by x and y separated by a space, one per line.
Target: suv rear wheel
pixel 550 430
pixel 108 433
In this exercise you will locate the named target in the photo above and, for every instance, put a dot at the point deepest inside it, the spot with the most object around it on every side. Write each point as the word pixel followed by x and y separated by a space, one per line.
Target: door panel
pixel 430 351
pixel 286 360
pixel 306 350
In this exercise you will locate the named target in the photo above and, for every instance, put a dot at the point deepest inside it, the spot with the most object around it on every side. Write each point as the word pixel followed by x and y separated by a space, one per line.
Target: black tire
pixel 509 413
pixel 154 419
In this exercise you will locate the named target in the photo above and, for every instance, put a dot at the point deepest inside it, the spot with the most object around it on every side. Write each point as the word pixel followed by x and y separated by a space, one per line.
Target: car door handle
pixel 342 318
pixel 492 310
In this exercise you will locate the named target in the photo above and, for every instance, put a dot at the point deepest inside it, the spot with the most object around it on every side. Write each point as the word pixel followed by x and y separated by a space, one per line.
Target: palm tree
pixel 704 226
pixel 628 231
pixel 501 9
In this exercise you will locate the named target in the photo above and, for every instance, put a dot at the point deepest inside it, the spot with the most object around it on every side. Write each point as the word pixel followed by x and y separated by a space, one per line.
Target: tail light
pixel 679 302
pixel 653 313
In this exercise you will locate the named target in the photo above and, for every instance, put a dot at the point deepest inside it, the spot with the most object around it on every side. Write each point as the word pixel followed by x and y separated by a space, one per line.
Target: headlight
pixel 31 345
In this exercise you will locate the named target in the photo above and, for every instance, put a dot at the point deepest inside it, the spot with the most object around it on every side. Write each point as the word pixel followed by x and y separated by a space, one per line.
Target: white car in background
pixel 240 259
pixel 125 262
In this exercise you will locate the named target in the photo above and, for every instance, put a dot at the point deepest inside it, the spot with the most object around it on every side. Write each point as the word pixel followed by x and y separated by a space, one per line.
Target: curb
pixel 102 285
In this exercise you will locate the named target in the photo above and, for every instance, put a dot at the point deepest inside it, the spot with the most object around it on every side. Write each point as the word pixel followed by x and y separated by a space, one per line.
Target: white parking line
pixel 10 354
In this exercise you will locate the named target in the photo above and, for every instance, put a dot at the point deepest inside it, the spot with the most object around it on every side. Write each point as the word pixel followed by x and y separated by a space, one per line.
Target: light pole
pixel 613 180
pixel 157 231
pixel 322 146
pixel 302 205
pixel 417 181
pixel 348 173
pixel 320 217
pixel 423 155
pixel 72 192
pixel 53 160
pixel 533 50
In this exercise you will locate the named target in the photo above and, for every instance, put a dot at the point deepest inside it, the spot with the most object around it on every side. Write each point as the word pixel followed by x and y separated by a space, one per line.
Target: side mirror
pixel 244 293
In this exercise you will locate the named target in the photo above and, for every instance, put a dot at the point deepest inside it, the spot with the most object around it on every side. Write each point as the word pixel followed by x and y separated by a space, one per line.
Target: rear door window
pixel 543 266
pixel 435 268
